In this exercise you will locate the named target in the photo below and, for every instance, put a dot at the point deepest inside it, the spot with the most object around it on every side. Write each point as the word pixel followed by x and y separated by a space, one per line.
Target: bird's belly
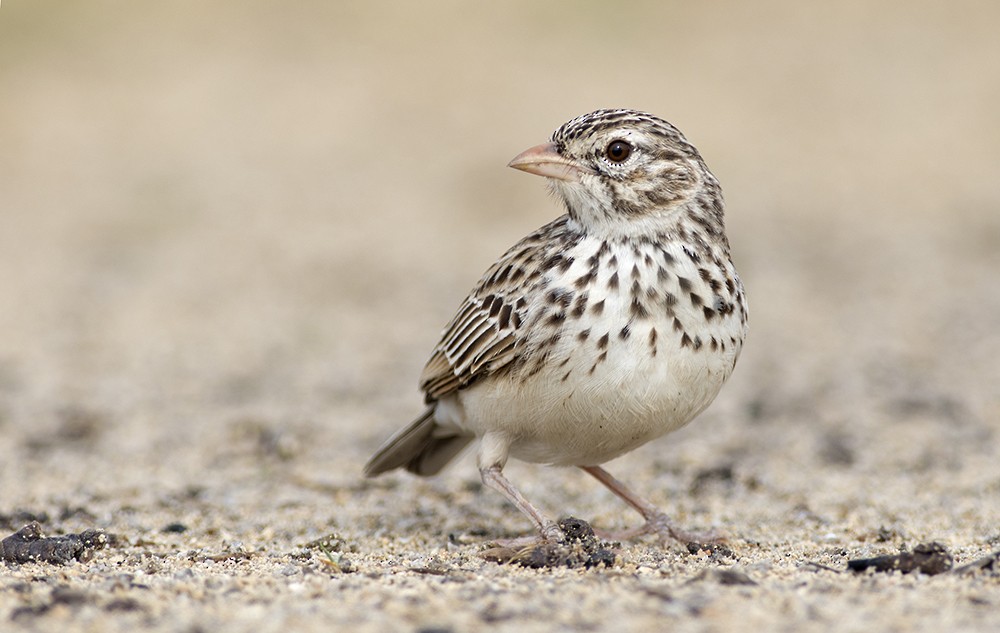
pixel 591 401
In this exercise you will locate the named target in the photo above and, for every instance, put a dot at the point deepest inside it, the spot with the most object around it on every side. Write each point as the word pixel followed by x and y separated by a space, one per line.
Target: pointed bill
pixel 545 160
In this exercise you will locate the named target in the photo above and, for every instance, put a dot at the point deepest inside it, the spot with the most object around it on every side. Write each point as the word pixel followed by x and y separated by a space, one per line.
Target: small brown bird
pixel 614 324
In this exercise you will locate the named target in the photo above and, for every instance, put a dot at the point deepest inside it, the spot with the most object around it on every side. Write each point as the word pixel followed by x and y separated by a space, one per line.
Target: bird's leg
pixel 656 521
pixel 549 530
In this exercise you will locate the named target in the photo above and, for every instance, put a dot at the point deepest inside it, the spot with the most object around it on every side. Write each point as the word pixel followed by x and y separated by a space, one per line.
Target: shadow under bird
pixel 612 325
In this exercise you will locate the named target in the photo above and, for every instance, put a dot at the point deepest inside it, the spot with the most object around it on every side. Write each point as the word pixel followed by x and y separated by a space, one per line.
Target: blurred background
pixel 232 220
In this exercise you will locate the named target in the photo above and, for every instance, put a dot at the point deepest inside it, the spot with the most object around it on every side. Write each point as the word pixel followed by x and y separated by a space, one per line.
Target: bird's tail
pixel 423 447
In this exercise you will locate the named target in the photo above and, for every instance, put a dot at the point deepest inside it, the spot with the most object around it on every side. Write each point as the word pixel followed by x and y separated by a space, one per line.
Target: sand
pixel 231 232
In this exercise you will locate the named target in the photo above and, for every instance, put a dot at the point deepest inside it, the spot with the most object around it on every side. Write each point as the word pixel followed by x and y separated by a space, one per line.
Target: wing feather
pixel 486 335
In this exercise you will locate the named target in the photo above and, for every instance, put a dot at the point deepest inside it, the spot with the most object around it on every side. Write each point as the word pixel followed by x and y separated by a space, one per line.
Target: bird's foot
pixel 660 524
pixel 570 543
pixel 550 533
pixel 664 528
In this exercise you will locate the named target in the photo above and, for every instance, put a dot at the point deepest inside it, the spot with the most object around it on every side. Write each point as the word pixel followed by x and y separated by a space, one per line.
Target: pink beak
pixel 544 160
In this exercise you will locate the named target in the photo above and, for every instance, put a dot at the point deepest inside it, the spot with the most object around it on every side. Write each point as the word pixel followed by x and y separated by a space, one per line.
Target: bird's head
pixel 622 172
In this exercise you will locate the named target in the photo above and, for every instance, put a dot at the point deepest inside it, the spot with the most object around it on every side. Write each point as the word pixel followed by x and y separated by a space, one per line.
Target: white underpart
pixel 629 399
pixel 590 203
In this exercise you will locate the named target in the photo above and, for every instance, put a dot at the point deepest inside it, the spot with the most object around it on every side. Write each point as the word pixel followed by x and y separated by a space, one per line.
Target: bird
pixel 610 326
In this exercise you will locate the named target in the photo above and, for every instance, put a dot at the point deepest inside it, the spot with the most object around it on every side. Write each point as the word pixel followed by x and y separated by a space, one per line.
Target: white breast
pixel 613 363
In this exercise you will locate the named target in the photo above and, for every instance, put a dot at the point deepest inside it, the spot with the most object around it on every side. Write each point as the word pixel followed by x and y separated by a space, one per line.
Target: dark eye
pixel 618 151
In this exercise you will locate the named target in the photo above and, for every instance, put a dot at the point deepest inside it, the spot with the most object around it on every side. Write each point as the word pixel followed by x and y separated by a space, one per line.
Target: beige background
pixel 230 233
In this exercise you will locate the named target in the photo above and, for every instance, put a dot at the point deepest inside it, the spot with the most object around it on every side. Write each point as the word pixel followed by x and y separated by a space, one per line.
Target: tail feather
pixel 423 447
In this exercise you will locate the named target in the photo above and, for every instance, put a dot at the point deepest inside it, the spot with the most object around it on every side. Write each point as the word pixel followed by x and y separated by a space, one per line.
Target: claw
pixel 661 525
pixel 656 522
pixel 552 533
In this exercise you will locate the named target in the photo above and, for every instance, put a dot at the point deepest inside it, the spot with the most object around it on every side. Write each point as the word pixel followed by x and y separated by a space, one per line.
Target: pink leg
pixel 656 521
pixel 494 478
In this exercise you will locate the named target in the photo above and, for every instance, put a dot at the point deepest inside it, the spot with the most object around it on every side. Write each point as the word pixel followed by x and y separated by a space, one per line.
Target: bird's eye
pixel 618 151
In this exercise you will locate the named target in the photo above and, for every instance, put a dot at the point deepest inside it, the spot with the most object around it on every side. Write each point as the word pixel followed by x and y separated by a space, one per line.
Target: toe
pixel 552 533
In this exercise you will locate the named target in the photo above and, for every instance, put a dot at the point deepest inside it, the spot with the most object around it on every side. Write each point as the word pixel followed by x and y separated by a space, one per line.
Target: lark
pixel 611 326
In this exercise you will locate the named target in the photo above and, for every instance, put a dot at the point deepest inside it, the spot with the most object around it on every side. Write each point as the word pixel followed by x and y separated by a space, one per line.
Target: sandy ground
pixel 231 232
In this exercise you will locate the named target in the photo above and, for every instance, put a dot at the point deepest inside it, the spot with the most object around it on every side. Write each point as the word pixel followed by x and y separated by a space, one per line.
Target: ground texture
pixel 231 232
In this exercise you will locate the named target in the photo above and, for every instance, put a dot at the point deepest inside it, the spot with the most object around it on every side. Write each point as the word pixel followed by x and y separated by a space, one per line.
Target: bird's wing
pixel 487 334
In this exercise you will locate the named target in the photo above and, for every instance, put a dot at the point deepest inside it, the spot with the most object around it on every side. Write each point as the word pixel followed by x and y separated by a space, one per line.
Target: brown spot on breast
pixel 635 272
pixel 600 359
pixel 685 283
pixel 537 367
pixel 677 325
pixel 714 344
pixel 559 261
pixel 550 342
pixel 602 343
pixel 625 332
pixel 559 297
pixel 580 305
pixel 598 307
pixel 638 310
pixel 652 340
pixel 585 280
pixel 685 340
pixel 695 299
pixel 708 312
pixel 697 342
pixel 613 281
pixel 582 336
